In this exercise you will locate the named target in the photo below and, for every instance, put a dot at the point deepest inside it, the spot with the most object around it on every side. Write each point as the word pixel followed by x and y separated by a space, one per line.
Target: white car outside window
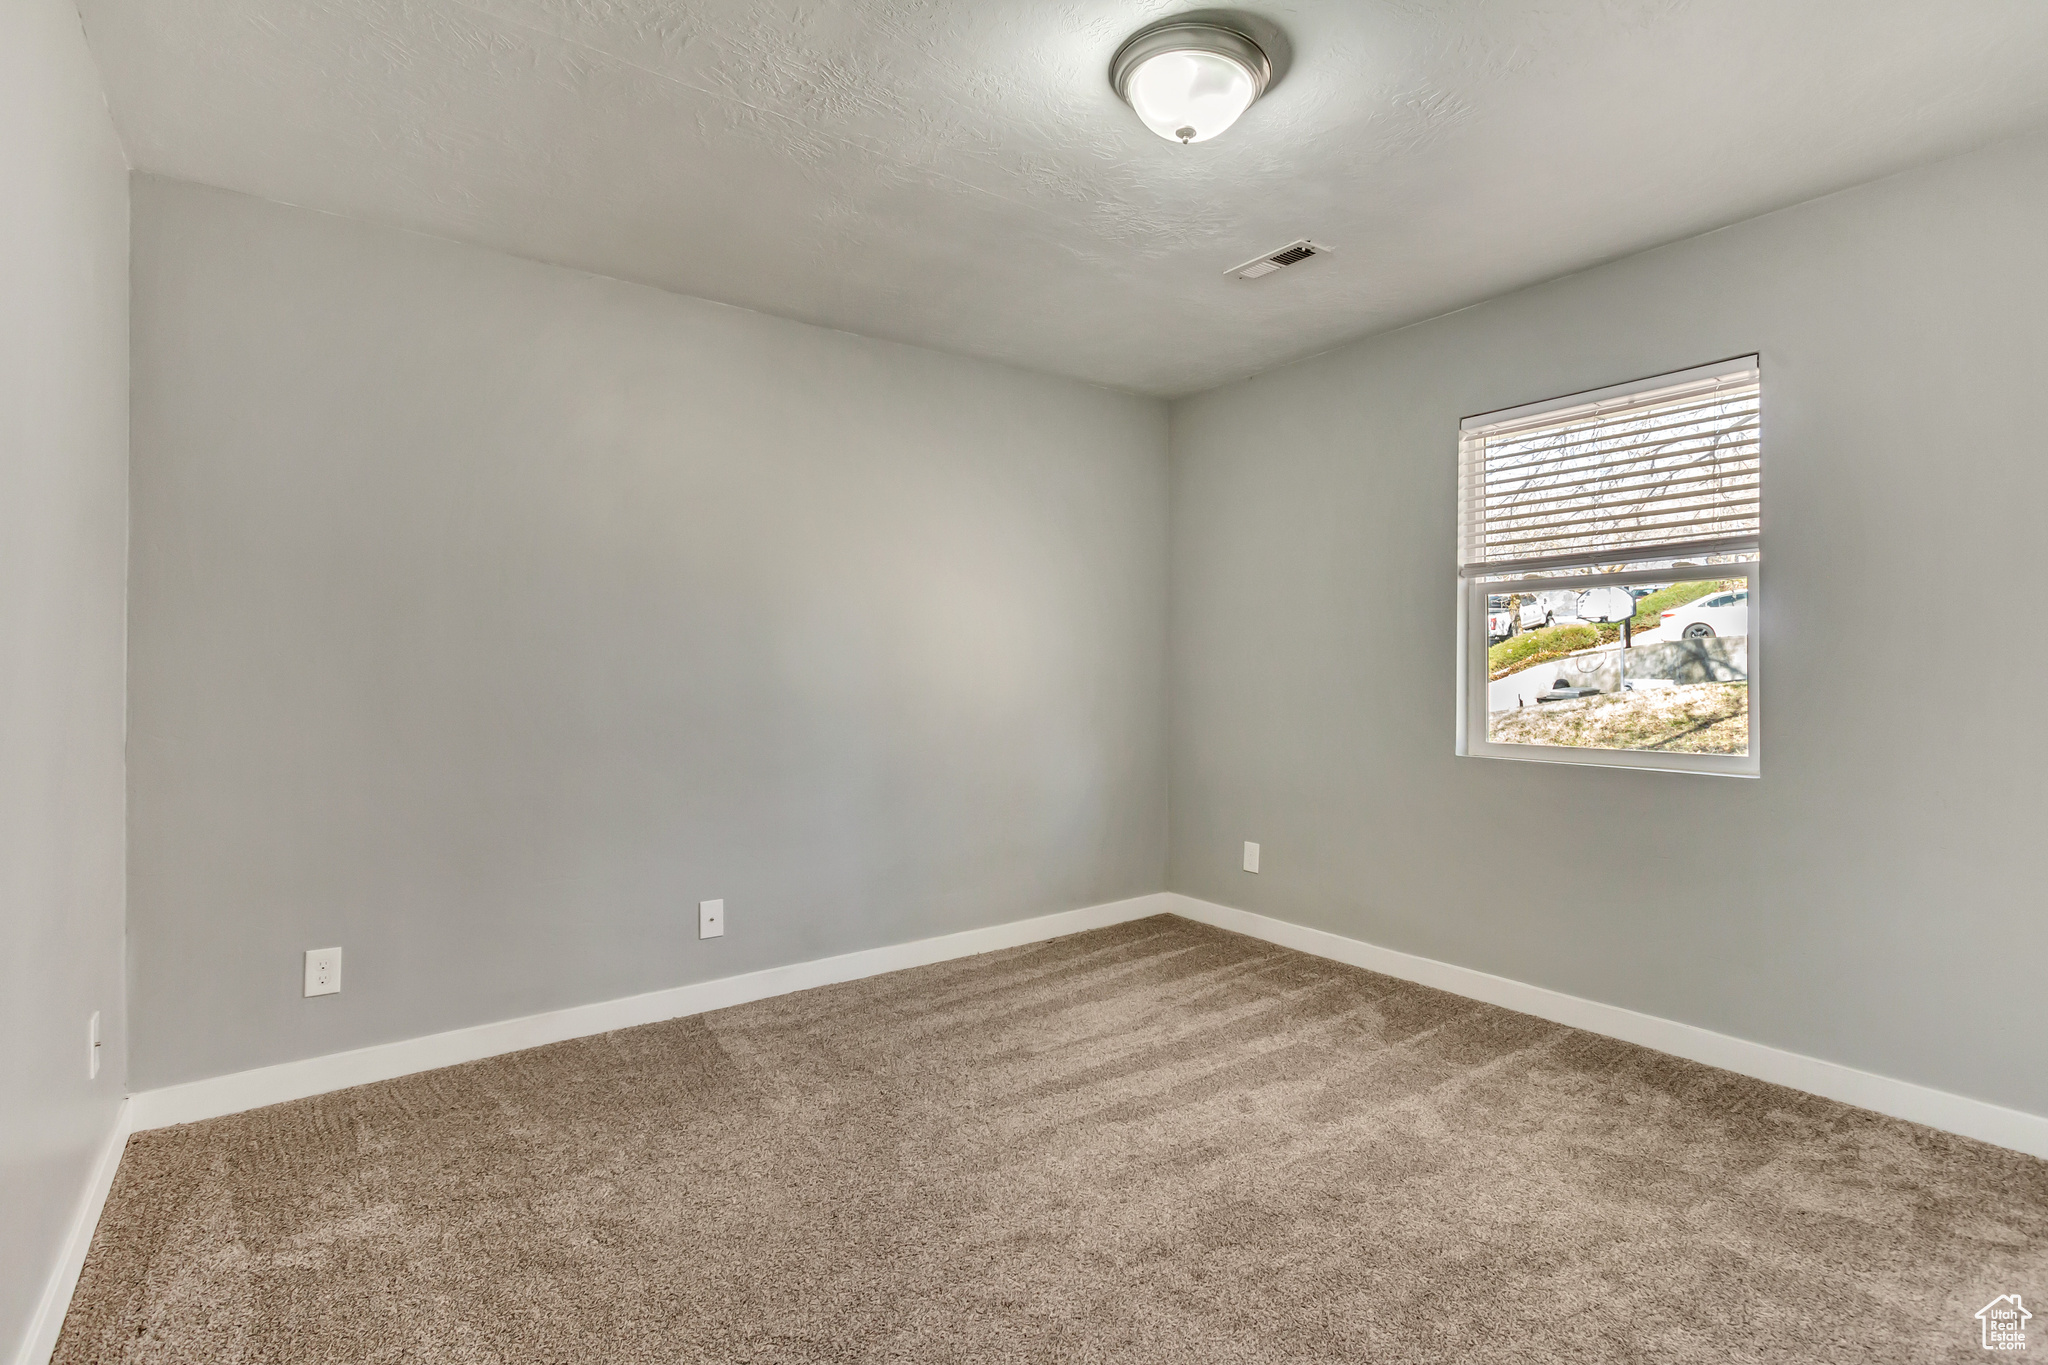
pixel 1549 609
pixel 1719 613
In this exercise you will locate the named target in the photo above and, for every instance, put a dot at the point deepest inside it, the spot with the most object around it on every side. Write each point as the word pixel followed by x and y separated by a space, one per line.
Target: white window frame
pixel 1475 587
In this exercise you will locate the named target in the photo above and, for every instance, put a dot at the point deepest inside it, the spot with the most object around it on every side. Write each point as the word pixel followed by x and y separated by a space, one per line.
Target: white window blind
pixel 1666 468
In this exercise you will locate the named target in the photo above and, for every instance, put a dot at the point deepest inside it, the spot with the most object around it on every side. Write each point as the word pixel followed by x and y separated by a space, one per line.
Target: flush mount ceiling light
pixel 1189 79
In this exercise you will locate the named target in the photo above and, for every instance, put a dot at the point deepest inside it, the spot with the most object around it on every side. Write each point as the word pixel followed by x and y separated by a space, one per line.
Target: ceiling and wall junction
pixel 960 175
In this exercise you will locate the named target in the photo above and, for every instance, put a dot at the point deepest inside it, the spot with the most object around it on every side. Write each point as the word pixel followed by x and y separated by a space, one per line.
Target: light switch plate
pixel 711 919
pixel 1251 857
pixel 323 971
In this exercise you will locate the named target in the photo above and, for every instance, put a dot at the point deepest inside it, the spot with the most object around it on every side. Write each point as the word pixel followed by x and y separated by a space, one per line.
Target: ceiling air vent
pixel 1277 260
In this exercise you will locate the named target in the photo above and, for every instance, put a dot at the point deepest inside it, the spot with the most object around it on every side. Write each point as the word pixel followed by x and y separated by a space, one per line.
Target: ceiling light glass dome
pixel 1189 81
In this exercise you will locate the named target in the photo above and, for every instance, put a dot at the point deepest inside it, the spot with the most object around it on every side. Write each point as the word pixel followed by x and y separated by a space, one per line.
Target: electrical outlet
pixel 711 919
pixel 92 1033
pixel 323 971
pixel 1251 857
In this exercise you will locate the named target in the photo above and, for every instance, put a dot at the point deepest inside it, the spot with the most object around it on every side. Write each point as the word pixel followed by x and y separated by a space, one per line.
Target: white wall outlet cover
pixel 711 919
pixel 323 971
pixel 92 1038
pixel 1251 857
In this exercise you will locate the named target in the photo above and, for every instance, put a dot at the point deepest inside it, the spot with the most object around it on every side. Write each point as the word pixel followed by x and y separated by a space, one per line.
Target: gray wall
pixel 488 615
pixel 1875 898
pixel 63 548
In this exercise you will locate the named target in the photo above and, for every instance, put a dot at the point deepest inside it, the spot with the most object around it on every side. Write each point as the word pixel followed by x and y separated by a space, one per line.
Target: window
pixel 1609 558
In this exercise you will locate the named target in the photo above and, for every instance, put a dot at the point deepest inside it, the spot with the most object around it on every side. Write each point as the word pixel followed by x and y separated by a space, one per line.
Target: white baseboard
pixel 231 1094
pixel 234 1093
pixel 2013 1128
pixel 48 1321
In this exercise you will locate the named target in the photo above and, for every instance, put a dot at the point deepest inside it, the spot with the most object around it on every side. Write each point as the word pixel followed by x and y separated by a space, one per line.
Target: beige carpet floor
pixel 1155 1142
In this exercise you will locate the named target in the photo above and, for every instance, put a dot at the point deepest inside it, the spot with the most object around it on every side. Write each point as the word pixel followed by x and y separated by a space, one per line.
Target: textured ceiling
pixel 957 173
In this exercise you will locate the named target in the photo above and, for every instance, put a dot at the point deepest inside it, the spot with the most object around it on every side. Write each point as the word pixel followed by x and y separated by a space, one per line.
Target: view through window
pixel 1672 676
pixel 1609 556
